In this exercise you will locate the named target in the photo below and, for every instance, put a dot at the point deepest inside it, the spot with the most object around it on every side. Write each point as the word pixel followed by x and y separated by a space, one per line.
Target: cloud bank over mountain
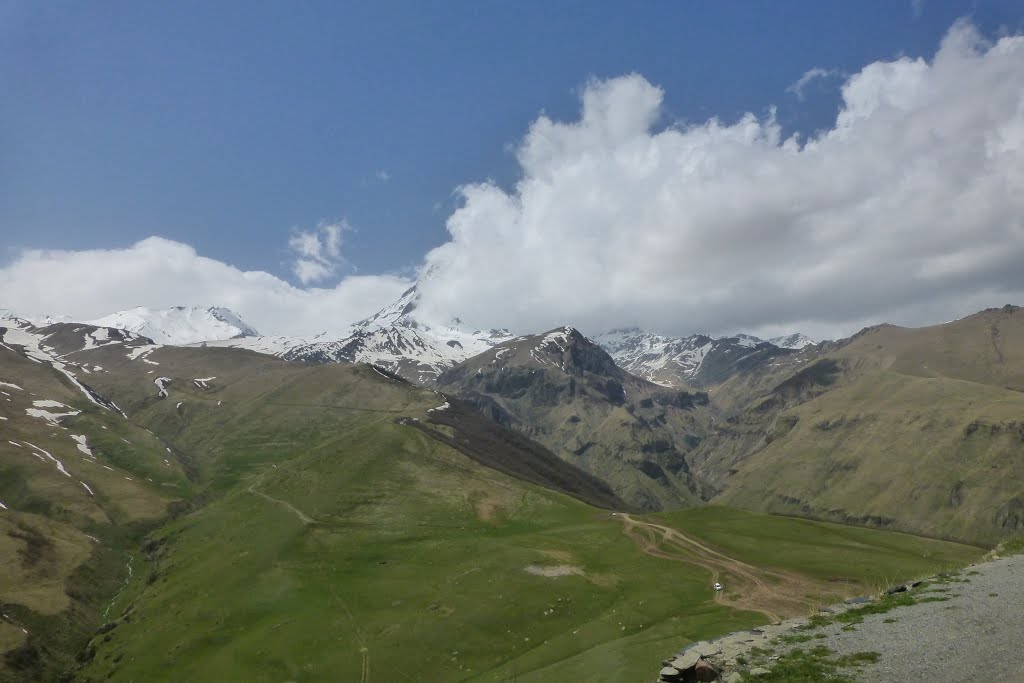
pixel 161 273
pixel 909 209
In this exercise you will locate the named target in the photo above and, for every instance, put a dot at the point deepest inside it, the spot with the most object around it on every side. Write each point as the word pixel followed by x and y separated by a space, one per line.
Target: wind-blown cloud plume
pixel 160 273
pixel 909 209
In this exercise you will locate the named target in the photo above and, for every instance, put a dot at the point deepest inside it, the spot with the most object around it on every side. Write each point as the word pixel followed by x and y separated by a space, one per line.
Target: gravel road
pixel 977 635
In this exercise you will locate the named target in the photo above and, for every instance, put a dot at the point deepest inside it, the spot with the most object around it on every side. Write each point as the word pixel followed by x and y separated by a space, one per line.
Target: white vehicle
pixel 718 586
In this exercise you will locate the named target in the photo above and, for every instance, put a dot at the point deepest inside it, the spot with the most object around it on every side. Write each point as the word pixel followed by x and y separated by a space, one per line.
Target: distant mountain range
pixel 400 340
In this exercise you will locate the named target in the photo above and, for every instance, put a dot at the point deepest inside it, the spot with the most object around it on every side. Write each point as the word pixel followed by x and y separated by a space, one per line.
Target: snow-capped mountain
pixel 660 359
pixel 397 339
pixel 697 360
pixel 179 325
pixel 792 341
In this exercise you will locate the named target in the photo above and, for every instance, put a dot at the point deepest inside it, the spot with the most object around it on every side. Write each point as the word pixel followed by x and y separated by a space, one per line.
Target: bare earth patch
pixel 554 570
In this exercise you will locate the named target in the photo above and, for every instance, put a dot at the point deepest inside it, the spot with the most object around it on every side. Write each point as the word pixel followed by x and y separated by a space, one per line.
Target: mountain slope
pixel 915 429
pixel 78 481
pixel 564 391
pixel 180 324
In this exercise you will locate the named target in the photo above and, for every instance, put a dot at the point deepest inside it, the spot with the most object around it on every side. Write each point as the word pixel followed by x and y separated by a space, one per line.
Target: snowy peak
pixel 698 360
pixel 399 340
pixel 660 359
pixel 179 325
pixel 792 341
pixel 564 349
pixel 399 313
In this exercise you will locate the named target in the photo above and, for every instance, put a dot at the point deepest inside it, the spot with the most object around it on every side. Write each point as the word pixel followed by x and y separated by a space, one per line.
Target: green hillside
pixel 335 523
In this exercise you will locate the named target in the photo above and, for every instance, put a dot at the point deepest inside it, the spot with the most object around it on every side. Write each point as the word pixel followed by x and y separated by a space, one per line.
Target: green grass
pixel 1013 545
pixel 810 666
pixel 415 563
pixel 868 558
pixel 411 573
pixel 405 562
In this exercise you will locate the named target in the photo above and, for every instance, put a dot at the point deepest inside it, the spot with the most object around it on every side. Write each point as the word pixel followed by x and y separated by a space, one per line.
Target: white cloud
pixel 911 209
pixel 160 273
pixel 383 176
pixel 317 251
pixel 809 76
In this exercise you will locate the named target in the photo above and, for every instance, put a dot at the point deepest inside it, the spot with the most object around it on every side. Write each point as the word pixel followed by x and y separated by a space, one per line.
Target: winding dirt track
pixel 746 587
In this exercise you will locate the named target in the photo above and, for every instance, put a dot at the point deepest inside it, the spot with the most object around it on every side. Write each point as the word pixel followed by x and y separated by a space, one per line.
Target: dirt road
pixel 771 592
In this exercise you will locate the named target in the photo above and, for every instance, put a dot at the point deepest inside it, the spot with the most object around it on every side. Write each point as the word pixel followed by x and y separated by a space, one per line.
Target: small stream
pixel 118 595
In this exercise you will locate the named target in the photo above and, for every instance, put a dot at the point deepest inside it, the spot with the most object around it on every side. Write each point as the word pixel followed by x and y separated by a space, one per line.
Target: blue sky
pixel 229 126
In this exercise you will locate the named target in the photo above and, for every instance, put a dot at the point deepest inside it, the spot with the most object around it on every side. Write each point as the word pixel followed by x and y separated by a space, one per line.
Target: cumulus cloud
pixel 318 251
pixel 160 273
pixel 909 209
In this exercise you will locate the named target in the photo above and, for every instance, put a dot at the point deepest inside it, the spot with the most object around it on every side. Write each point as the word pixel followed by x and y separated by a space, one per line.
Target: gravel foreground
pixel 969 628
pixel 977 635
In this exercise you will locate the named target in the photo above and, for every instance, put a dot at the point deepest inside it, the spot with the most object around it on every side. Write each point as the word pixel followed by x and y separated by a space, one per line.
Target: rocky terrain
pixel 957 626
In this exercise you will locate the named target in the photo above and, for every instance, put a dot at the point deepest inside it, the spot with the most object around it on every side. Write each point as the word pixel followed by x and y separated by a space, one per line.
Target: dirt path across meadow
pixel 773 593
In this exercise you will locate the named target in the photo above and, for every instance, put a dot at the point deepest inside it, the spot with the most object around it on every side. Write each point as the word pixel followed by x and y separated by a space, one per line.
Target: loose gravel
pixel 978 634
pixel 965 627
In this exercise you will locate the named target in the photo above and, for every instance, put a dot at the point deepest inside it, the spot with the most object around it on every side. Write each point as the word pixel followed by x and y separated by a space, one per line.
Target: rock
pixel 670 673
pixel 705 671
pixel 826 610
pixel 857 601
pixel 686 660
pixel 916 584
pixel 896 589
pixel 758 671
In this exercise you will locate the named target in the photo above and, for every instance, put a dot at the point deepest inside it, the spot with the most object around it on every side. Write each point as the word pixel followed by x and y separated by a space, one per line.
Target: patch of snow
pixel 443 406
pixel 204 379
pixel 14 443
pixel 12 386
pixel 58 463
pixel 80 439
pixel 51 418
pixel 179 405
pixel 140 352
pixel 87 488
pixel 48 403
pixel 161 384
